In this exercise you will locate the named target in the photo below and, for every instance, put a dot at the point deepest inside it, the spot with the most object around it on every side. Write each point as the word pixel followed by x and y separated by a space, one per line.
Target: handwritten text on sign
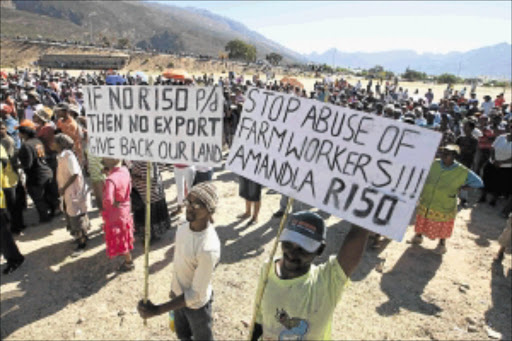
pixel 357 166
pixel 168 124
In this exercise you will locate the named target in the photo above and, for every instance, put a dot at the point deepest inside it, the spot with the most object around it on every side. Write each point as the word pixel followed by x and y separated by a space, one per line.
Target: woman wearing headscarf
pixel 73 189
pixel 117 218
pixel 438 201
pixel 69 126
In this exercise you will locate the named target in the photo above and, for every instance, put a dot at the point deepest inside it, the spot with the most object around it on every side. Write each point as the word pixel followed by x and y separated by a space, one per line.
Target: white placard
pixel 360 167
pixel 168 124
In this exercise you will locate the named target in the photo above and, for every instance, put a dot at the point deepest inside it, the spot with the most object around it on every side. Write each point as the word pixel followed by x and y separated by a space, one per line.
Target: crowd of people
pixel 44 155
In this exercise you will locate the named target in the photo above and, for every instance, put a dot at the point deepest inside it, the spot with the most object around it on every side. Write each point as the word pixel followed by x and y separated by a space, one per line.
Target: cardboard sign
pixel 360 167
pixel 168 124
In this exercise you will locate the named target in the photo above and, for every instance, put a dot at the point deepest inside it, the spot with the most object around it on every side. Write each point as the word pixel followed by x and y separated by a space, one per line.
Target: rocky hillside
pixel 143 24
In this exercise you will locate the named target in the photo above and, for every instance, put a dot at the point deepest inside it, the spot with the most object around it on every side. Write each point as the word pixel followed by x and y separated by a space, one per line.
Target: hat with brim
pixel 34 94
pixel 61 107
pixel 44 114
pixel 74 109
pixel 452 148
pixel 306 229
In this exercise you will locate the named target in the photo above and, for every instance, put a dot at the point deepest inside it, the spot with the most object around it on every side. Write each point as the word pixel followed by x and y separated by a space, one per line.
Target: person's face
pixel 31 100
pixel 64 114
pixel 55 147
pixel 295 258
pixel 468 129
pixel 109 163
pixel 448 156
pixel 38 121
pixel 3 131
pixel 195 209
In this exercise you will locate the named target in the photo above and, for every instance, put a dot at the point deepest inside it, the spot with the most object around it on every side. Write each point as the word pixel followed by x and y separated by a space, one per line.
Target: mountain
pixel 492 61
pixel 144 24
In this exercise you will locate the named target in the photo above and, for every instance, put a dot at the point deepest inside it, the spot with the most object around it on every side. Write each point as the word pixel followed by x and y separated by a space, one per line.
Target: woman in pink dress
pixel 116 213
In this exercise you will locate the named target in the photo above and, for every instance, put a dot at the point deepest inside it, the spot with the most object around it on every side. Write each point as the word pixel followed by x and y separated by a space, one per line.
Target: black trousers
pixel 15 208
pixel 45 198
pixel 8 247
pixel 194 324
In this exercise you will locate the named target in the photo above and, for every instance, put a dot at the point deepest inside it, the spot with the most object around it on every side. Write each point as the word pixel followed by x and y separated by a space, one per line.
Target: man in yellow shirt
pixel 9 183
pixel 299 299
pixel 8 247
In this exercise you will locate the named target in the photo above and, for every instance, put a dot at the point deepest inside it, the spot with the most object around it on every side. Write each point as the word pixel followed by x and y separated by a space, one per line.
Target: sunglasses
pixel 195 205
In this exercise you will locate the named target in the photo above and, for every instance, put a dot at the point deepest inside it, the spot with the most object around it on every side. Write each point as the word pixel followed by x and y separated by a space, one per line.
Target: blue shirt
pixel 473 180
pixel 11 125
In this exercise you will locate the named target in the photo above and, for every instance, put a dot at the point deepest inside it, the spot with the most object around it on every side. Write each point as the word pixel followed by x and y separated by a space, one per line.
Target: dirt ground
pixel 398 292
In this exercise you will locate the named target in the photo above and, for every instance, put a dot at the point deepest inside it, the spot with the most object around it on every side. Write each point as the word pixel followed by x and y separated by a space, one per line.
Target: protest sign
pixel 360 167
pixel 168 124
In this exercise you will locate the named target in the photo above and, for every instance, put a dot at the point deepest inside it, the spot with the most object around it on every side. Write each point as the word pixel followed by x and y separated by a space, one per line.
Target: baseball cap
pixel 306 229
pixel 451 147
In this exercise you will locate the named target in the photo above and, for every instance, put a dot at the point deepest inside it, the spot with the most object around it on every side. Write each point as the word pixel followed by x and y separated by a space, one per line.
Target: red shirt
pixel 46 134
pixel 498 102
pixel 488 137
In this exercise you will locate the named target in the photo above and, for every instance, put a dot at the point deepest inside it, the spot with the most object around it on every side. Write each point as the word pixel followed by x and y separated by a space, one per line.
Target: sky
pixel 371 26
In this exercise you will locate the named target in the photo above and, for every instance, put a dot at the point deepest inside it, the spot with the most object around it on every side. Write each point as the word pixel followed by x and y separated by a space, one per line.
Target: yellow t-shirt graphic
pixel 301 308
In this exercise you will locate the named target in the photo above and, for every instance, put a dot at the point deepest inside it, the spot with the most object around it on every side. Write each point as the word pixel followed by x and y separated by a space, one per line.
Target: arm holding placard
pixel 352 249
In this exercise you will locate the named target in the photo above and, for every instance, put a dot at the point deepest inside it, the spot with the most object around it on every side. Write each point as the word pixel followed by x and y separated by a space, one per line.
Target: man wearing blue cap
pixel 299 299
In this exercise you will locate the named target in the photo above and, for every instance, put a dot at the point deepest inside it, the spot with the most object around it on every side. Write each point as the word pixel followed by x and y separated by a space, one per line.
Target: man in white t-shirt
pixel 195 257
pixel 487 105
pixel 501 150
pixel 34 104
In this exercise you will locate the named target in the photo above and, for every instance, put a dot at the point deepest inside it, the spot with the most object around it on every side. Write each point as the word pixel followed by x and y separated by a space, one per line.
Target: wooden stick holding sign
pixel 147 235
pixel 269 267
